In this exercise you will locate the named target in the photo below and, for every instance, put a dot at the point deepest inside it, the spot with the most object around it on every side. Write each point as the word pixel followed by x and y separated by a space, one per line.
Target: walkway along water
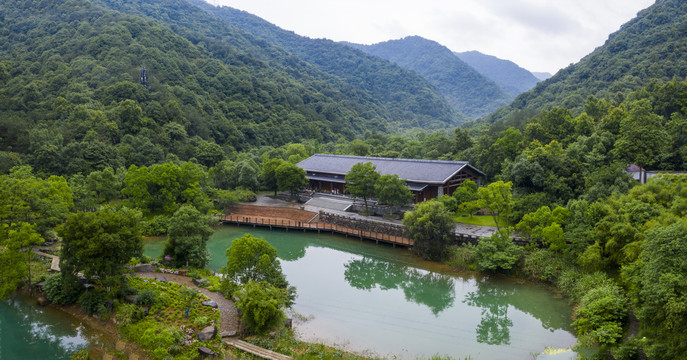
pixel 301 220
pixel 229 316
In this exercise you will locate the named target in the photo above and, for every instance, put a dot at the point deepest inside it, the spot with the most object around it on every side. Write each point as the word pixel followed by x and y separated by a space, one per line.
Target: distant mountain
pixel 406 96
pixel 464 87
pixel 506 74
pixel 542 75
pixel 650 46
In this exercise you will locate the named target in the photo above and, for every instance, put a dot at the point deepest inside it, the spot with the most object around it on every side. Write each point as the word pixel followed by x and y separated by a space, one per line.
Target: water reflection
pixel 436 291
pixel 30 332
pixel 494 326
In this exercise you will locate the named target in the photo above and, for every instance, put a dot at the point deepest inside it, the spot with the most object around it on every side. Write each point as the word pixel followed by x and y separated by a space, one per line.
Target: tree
pixel 658 289
pixel 261 306
pixel 497 252
pixel 466 197
pixel 546 225
pixel 642 135
pixel 268 174
pixel 431 227
pixel 161 188
pixel 359 148
pixel 467 191
pixel 209 153
pixel 361 180
pixel 461 140
pixel 497 199
pixel 290 177
pixel 104 185
pixel 188 235
pixel 247 174
pixel 253 259
pixel 27 198
pixel 12 266
pixel 392 191
pixel 100 243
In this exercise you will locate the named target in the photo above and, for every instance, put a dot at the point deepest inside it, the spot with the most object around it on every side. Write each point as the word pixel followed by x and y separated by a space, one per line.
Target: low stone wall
pixel 379 210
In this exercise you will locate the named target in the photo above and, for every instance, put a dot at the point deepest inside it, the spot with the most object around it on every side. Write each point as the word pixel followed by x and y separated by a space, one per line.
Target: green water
pixel 31 332
pixel 373 297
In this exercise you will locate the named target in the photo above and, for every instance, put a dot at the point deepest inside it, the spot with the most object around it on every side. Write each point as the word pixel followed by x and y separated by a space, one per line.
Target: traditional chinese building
pixel 427 179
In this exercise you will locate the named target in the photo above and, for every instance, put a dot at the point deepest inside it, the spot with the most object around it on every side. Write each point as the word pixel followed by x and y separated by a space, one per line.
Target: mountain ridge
pixel 382 79
pixel 508 75
pixel 464 87
pixel 650 46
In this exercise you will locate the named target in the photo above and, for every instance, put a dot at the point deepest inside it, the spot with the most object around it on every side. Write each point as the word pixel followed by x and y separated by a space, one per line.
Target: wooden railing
pixel 315 226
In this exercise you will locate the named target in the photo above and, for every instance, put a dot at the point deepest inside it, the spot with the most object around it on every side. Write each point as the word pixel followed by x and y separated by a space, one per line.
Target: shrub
pixel 147 297
pixel 201 322
pixel 581 284
pixel 544 265
pixel 93 302
pixel 261 306
pixel 601 313
pixel 497 253
pixel 127 314
pixel 79 355
pixel 155 226
pixel 228 287
pixel 199 273
pixel 462 258
pixel 61 289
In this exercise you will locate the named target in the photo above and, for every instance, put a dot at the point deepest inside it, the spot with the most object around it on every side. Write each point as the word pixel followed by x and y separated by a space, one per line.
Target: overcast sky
pixel 539 35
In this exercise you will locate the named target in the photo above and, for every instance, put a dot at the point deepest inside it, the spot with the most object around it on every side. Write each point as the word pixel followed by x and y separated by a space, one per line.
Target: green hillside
pixel 464 87
pixel 409 98
pixel 70 87
pixel 651 46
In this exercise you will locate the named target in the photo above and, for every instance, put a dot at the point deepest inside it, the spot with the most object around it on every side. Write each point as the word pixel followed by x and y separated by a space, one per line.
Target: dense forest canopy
pixel 407 97
pixel 70 88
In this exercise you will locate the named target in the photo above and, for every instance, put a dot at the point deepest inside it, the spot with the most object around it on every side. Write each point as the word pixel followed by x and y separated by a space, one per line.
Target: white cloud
pixel 540 35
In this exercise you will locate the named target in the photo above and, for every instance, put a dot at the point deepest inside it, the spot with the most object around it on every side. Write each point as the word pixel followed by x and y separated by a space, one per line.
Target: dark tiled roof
pixel 421 171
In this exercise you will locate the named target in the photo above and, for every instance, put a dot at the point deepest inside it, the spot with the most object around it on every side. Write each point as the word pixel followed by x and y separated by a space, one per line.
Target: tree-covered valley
pixel 223 112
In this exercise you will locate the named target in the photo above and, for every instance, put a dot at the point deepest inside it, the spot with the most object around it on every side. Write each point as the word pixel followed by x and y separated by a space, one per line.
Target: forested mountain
pixel 650 46
pixel 541 75
pixel 464 87
pixel 510 77
pixel 407 97
pixel 70 97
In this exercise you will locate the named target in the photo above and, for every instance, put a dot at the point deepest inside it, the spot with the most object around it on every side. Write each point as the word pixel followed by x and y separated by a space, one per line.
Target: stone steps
pixel 256 350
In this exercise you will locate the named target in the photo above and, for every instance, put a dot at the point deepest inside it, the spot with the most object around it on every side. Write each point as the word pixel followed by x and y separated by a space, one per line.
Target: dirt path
pixel 229 316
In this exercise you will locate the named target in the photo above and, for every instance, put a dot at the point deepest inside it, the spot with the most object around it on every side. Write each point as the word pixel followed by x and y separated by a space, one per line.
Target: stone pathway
pixel 229 315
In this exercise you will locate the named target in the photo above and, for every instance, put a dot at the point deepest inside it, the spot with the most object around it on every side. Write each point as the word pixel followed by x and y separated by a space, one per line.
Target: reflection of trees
pixel 434 290
pixel 290 250
pixel 494 328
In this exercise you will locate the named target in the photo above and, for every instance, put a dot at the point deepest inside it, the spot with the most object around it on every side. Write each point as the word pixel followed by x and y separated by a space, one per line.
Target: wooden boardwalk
pixel 311 225
pixel 255 350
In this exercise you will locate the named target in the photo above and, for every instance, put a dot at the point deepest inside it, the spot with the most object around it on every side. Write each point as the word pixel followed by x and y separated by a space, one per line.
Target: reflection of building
pixel 425 178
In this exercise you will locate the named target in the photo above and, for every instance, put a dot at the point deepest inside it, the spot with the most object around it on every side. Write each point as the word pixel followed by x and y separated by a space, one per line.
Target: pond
pixel 368 297
pixel 31 332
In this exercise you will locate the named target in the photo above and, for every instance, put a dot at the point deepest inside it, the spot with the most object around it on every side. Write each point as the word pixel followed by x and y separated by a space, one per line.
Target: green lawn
pixel 484 220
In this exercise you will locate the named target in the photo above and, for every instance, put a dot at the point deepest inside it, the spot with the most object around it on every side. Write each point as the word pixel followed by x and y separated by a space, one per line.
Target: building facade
pixel 427 179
